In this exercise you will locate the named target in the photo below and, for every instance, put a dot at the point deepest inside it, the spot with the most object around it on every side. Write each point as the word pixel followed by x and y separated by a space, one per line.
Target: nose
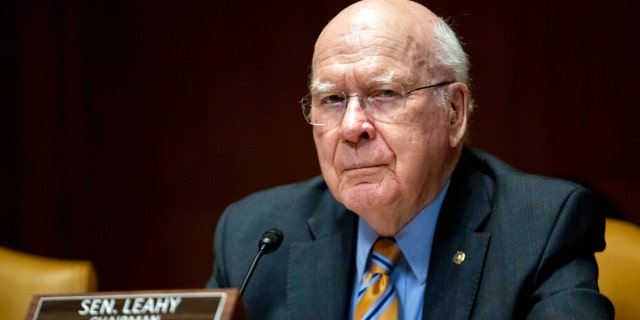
pixel 356 124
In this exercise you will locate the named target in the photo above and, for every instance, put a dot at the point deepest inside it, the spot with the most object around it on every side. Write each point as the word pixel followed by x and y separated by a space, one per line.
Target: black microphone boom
pixel 269 242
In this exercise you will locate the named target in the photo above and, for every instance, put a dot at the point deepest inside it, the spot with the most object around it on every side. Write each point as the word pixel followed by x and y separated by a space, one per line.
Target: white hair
pixel 450 55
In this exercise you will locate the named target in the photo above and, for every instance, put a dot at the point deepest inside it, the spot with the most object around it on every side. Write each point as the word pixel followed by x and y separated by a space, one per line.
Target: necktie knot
pixel 377 297
pixel 384 256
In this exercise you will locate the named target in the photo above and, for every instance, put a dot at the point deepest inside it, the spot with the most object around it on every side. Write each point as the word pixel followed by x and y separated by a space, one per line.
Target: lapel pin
pixel 458 258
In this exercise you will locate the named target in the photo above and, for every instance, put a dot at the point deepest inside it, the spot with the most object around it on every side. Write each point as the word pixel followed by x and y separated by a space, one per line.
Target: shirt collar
pixel 415 239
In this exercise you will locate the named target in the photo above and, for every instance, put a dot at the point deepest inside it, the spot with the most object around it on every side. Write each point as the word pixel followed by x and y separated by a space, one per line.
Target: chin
pixel 365 199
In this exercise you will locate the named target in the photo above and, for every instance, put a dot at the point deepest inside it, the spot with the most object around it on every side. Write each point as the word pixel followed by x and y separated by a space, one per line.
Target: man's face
pixel 386 172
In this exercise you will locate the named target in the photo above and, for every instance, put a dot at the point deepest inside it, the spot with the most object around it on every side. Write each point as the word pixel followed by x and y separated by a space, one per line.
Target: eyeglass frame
pixel 306 101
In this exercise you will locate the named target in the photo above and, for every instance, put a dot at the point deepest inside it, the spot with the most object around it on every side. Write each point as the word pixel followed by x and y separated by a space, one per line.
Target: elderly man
pixel 406 222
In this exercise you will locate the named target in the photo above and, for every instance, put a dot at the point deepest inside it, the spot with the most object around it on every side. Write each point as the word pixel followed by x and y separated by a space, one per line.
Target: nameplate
pixel 167 305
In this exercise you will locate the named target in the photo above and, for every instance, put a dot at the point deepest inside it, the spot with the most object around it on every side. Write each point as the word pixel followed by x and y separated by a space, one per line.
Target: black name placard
pixel 170 305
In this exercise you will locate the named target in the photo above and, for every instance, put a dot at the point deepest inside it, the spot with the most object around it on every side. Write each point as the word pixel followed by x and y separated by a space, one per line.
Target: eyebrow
pixel 323 86
pixel 385 77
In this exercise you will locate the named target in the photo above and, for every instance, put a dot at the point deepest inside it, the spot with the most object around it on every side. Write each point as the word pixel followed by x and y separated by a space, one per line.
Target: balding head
pixel 412 29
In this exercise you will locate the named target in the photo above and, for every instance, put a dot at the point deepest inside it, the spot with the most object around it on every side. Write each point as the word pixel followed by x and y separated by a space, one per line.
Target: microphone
pixel 269 242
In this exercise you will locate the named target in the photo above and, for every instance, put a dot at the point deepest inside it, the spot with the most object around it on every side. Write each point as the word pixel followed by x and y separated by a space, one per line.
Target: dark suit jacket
pixel 528 241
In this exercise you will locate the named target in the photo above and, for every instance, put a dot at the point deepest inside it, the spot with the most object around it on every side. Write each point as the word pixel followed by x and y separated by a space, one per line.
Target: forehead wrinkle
pixel 370 58
pixel 391 63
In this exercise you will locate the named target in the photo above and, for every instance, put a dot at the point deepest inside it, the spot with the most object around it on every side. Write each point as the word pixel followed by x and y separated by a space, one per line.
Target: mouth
pixel 363 167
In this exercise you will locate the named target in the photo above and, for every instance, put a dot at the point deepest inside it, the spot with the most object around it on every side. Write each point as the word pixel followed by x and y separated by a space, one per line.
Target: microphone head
pixel 270 240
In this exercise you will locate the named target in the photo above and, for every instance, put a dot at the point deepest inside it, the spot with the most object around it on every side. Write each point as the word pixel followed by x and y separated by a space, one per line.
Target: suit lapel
pixel 320 268
pixel 459 249
pixel 319 286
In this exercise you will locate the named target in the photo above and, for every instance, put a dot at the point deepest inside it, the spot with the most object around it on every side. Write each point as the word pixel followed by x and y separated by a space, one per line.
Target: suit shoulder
pixel 507 178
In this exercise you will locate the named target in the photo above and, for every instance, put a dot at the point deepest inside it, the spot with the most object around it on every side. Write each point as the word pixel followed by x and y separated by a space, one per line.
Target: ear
pixel 458 113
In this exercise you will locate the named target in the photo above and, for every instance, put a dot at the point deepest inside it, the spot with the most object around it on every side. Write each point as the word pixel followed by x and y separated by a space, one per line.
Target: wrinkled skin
pixel 386 172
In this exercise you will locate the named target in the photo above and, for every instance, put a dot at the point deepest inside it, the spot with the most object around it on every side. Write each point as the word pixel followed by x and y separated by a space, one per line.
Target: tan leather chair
pixel 23 275
pixel 620 268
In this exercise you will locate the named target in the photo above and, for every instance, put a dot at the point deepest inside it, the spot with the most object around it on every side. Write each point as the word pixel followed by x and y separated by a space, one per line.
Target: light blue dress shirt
pixel 410 274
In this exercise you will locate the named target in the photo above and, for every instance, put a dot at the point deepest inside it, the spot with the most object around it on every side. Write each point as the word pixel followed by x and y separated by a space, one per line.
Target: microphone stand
pixel 251 269
pixel 270 242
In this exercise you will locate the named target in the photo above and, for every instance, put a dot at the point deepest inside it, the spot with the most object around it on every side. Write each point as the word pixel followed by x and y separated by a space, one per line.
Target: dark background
pixel 126 127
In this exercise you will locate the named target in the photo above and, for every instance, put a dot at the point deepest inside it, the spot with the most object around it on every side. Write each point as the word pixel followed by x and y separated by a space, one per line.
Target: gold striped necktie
pixel 377 297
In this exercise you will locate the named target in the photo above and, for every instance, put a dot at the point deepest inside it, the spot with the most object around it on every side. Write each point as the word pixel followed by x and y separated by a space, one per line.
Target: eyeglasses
pixel 381 102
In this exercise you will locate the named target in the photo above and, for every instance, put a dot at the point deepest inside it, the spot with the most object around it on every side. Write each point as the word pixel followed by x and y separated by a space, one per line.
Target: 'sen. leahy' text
pixel 148 308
